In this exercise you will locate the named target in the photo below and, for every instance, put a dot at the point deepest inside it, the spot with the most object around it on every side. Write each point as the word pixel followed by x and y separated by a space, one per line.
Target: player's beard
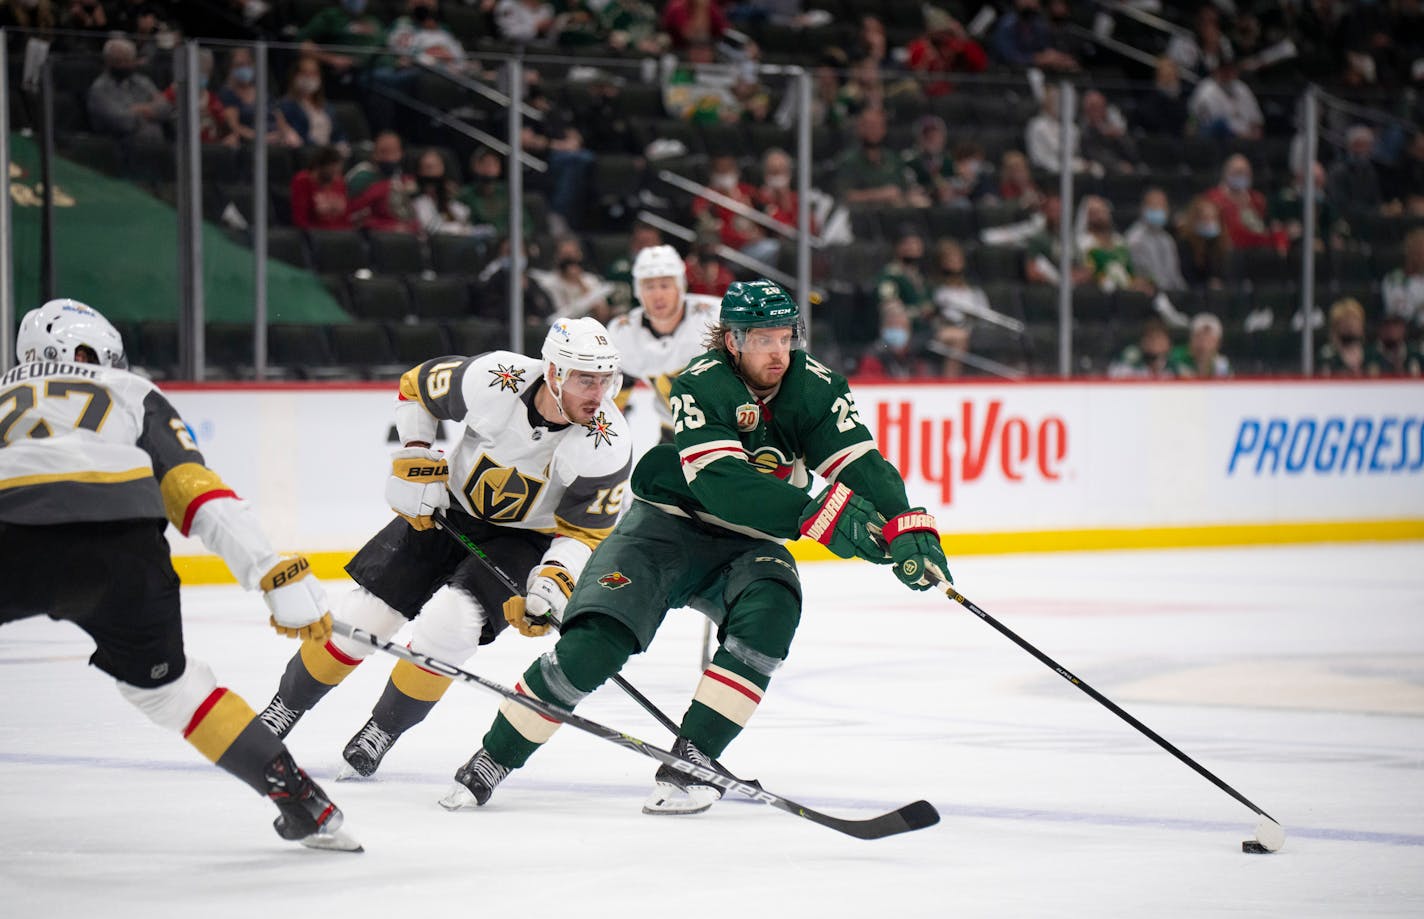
pixel 580 411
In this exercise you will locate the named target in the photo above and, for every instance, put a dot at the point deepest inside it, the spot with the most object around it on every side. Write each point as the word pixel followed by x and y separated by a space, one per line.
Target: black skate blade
pixel 332 841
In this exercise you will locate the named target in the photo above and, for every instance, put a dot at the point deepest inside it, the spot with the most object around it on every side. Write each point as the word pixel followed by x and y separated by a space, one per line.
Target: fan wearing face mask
pixel 348 24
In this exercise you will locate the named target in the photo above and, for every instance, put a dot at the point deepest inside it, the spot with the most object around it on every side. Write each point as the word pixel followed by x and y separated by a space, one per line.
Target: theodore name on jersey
pixel 511 466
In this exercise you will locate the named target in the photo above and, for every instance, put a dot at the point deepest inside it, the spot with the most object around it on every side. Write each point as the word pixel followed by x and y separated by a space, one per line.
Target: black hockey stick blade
pixel 915 816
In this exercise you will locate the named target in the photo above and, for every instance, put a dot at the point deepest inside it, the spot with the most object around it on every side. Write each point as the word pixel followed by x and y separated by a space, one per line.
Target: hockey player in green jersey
pixel 751 416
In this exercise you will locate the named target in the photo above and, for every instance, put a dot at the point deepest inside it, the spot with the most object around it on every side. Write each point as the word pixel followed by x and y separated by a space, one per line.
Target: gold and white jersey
pixel 657 359
pixel 82 442
pixel 511 466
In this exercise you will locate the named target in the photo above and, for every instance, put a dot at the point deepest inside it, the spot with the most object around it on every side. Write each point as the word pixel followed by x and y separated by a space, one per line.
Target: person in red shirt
pixel 944 48
pixel 213 124
pixel 735 230
pixel 319 193
pixel 1243 208
pixel 693 23
pixel 776 198
pixel 705 272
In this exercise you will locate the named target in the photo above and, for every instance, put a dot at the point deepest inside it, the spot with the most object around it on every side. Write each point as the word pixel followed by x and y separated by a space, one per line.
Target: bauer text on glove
pixel 296 600
pixel 417 486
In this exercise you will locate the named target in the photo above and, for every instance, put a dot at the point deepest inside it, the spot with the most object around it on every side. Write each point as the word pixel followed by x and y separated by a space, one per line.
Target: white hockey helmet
pixel 579 344
pixel 660 262
pixel 54 331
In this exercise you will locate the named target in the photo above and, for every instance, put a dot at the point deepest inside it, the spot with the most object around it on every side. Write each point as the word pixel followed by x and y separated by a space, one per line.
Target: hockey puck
pixel 1254 848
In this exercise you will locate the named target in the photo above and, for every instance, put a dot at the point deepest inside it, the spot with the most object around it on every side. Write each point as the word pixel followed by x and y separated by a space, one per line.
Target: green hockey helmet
pixel 760 304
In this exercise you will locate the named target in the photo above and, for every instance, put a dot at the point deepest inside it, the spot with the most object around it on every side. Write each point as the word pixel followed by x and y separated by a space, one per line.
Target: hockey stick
pixel 474 549
pixel 1269 835
pixel 915 816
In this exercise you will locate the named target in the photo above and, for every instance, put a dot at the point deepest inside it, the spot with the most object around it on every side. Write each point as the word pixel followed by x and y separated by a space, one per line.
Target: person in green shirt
pixel 752 417
pixel 1201 357
pixel 346 24
pixel 487 194
pixel 902 282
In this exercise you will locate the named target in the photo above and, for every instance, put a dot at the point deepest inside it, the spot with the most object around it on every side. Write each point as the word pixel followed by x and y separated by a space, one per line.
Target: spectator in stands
pixel 1201 51
pixel 733 228
pixel 319 200
pixel 775 197
pixel 1104 250
pixel 524 22
pixel 305 109
pixel 927 163
pixel 123 103
pixel 1201 357
pixel 492 288
pixel 1286 213
pixel 238 95
pixel 693 23
pixel 1043 256
pixel 347 24
pixel 570 164
pixel 944 48
pixel 871 42
pixel 895 354
pixel 863 89
pixel 420 38
pixel 956 302
pixel 487 195
pixel 828 110
pixel 705 272
pixel 31 14
pixel 1392 355
pixel 437 207
pixel 82 15
pixel 577 26
pixel 1043 137
pixel 972 179
pixel 870 174
pixel 632 25
pixel 573 289
pixel 1148 359
pixel 1163 109
pixel 1022 40
pixel 1407 185
pixel 1203 247
pixel 1243 208
pixel 1343 354
pixel 153 37
pixel 1104 139
pixel 902 281
pixel 382 194
pixel 1402 289
pixel 214 127
pixel 619 272
pixel 1016 183
pixel 1353 183
pixel 1224 107
pixel 1152 246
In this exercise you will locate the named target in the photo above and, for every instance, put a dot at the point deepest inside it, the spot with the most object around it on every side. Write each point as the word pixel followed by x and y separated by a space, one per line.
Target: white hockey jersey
pixel 510 465
pixel 83 442
pixel 657 359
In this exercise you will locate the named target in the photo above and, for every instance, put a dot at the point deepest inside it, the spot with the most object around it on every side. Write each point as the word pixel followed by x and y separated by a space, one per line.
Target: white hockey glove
pixel 417 486
pixel 548 595
pixel 297 602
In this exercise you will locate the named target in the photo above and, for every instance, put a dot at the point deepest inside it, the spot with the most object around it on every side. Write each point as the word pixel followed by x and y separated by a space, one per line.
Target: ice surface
pixel 1296 675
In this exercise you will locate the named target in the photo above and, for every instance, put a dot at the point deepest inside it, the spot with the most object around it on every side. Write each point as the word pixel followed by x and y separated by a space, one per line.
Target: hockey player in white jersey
pixel 658 338
pixel 94 463
pixel 536 479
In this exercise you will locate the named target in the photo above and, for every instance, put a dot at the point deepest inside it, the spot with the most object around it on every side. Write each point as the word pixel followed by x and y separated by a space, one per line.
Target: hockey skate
pixel 677 792
pixel 307 814
pixel 364 752
pixel 474 782
pixel 279 718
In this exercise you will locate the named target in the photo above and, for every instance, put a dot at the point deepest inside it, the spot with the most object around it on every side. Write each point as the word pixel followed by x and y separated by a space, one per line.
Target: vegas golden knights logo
pixel 500 493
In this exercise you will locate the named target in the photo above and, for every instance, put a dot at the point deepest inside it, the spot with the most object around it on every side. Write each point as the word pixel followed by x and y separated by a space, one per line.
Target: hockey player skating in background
pixel 750 417
pixel 536 478
pixel 94 462
pixel 659 337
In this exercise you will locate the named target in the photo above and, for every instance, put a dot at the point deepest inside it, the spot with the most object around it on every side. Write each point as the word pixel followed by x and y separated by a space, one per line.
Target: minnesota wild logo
pixel 509 378
pixel 601 430
pixel 615 580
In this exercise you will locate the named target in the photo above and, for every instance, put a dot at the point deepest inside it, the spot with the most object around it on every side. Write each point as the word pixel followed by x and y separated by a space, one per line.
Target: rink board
pixel 1005 467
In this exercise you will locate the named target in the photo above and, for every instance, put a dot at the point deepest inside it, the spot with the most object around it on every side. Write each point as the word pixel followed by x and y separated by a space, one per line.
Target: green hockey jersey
pixel 744 463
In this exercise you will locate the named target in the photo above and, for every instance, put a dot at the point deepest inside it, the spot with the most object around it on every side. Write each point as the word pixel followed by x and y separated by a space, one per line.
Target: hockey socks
pixel 225 729
pixel 410 694
pixel 726 697
pixel 591 649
